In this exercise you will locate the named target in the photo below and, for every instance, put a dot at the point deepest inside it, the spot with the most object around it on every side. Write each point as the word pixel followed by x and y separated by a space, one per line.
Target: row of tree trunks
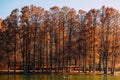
pixel 60 40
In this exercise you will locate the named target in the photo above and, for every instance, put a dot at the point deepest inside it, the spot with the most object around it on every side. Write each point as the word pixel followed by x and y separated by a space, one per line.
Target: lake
pixel 58 77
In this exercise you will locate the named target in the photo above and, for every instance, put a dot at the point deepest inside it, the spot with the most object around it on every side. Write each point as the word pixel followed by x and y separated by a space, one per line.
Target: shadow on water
pixel 57 77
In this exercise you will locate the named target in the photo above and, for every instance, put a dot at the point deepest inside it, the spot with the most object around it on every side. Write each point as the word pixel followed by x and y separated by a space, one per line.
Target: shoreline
pixel 69 73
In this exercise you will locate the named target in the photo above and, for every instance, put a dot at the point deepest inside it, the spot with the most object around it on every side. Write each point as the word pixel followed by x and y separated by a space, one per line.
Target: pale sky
pixel 6 6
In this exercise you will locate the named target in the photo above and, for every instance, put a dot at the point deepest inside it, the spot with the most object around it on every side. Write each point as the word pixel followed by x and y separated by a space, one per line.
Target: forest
pixel 60 40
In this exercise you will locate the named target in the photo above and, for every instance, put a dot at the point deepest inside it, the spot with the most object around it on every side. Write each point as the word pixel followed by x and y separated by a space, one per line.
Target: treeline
pixel 35 39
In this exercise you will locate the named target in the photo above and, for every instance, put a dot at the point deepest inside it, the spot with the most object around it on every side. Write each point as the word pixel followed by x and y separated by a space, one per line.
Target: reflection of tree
pixel 105 77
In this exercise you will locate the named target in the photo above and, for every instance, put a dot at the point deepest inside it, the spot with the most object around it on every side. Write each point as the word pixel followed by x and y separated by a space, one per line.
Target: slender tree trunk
pixel 34 51
pixel 84 65
pixel 40 52
pixel 51 60
pixel 112 69
pixel 8 56
pixel 22 50
pixel 55 57
pixel 7 49
pixel 15 52
pixel 94 56
pixel 100 62
pixel 63 49
pixel 79 63
pixel 59 60
pixel 69 47
pixel 26 66
pixel 43 52
pixel 84 53
pixel 90 64
pixel 113 64
pixel 47 52
pixel 106 63
pixel 28 51
pixel 101 58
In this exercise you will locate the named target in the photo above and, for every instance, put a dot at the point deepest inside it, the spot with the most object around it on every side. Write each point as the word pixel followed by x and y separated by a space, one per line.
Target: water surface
pixel 58 77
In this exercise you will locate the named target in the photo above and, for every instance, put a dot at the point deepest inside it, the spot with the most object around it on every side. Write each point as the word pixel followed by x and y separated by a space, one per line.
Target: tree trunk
pixel 34 51
pixel 15 52
pixel 113 64
pixel 8 56
pixel 94 56
pixel 106 63
pixel 100 63
pixel 63 49
pixel 51 60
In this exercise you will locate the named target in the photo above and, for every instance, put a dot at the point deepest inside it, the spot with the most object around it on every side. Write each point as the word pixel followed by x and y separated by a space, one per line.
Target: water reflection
pixel 105 78
pixel 8 77
pixel 14 77
pixel 26 77
pixel 57 77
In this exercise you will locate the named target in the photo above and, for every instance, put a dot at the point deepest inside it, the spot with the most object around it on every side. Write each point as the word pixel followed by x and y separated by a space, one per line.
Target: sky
pixel 6 6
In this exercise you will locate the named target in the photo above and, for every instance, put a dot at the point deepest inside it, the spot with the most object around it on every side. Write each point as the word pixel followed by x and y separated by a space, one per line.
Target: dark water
pixel 58 77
